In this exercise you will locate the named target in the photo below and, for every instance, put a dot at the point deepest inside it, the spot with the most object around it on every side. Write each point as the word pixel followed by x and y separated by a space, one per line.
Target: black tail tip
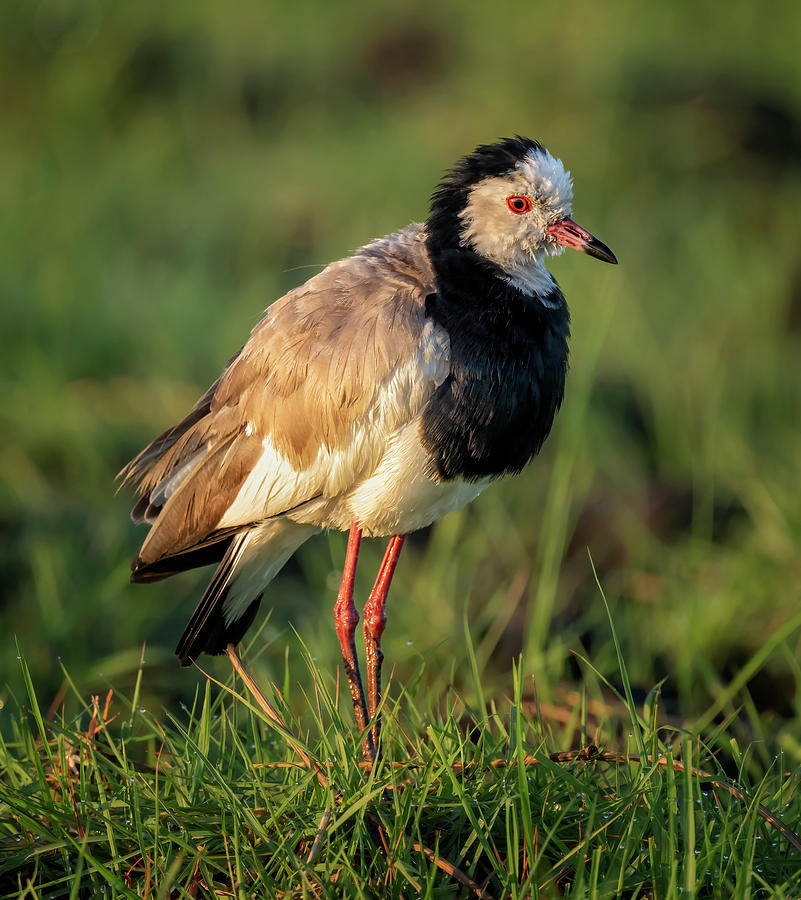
pixel 210 633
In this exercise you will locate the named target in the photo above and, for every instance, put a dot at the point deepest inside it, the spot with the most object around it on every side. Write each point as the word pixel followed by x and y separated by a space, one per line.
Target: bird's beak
pixel 567 233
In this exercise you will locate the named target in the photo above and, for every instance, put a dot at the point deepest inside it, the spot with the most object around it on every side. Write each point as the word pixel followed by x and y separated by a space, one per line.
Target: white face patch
pixel 516 243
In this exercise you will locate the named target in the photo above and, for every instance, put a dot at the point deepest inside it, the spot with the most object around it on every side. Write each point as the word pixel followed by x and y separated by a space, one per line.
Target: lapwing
pixel 389 389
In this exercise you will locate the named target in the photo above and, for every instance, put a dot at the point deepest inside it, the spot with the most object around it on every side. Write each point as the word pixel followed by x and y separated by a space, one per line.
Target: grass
pixel 165 173
pixel 469 801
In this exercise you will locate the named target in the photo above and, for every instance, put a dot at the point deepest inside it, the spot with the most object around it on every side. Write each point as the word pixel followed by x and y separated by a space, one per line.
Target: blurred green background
pixel 167 170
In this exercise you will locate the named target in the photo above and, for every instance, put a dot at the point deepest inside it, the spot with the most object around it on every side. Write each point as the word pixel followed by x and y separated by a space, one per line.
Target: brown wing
pixel 310 372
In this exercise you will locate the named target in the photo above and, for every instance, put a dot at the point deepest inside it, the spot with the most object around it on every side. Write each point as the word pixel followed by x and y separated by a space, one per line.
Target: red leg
pixel 345 620
pixel 375 618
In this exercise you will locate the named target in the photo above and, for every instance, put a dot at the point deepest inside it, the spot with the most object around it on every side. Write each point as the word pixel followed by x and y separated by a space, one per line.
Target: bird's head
pixel 510 203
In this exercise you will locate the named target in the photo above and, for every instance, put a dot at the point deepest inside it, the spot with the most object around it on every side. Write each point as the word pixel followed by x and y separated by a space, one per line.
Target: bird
pixel 389 389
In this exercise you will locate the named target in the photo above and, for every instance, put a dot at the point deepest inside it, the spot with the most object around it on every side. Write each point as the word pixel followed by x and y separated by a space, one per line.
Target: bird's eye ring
pixel 519 204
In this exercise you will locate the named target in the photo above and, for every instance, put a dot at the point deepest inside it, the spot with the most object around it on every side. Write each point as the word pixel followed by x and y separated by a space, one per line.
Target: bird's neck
pixel 457 264
pixel 508 365
pixel 467 279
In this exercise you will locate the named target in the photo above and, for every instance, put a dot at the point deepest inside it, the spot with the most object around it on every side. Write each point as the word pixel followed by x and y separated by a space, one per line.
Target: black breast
pixel 507 378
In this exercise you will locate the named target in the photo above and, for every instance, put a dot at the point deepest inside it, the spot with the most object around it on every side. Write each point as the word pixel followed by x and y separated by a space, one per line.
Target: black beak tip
pixel 600 251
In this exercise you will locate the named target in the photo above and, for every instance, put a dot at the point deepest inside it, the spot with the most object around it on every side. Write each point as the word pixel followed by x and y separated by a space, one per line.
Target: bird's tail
pixel 230 602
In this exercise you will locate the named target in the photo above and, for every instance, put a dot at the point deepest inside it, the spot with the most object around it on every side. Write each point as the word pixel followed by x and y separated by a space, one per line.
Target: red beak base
pixel 567 233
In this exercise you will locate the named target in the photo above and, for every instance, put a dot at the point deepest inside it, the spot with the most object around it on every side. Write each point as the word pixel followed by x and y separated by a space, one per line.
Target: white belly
pixel 398 497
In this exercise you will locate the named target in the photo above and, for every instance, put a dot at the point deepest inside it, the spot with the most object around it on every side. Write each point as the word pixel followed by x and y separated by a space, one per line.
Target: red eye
pixel 519 204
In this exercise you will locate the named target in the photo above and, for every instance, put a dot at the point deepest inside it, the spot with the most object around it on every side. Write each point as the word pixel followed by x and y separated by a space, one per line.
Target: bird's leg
pixel 375 618
pixel 345 620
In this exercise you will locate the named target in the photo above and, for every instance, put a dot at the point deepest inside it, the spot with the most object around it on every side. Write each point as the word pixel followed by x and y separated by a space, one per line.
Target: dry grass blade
pixel 454 871
pixel 322 828
pixel 272 713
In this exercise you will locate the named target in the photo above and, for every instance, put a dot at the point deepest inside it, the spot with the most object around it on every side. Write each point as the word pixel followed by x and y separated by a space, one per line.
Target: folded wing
pixel 301 411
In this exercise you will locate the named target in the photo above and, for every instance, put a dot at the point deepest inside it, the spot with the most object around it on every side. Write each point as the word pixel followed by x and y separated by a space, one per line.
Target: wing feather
pixel 303 409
